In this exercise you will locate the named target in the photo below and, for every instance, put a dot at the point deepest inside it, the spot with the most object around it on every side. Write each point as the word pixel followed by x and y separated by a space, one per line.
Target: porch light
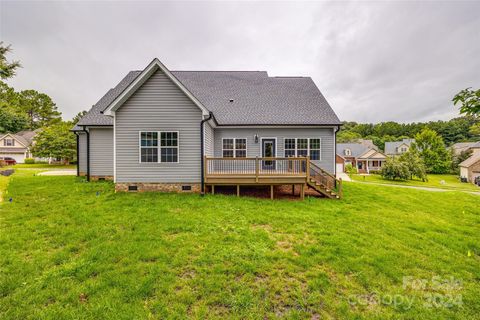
pixel 255 138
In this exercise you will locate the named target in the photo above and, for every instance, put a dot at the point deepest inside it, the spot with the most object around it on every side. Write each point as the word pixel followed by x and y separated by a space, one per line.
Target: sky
pixel 373 61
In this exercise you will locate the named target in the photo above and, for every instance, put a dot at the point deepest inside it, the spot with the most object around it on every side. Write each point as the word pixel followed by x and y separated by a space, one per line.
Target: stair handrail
pixel 322 174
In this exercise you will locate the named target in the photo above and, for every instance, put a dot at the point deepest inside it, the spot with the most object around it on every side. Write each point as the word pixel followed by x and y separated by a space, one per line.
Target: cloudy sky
pixel 374 61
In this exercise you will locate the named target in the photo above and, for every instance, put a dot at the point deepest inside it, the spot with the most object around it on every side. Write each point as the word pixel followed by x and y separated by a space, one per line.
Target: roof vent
pixel 231 100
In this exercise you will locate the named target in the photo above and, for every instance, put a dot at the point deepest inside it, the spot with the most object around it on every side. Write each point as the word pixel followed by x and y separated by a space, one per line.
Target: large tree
pixel 12 122
pixel 432 150
pixel 56 141
pixel 39 108
pixel 7 69
pixel 79 116
pixel 469 100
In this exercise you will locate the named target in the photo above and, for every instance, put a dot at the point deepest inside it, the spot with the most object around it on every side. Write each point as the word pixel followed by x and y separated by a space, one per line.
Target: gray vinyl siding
pixel 158 105
pixel 326 135
pixel 209 140
pixel 101 152
pixel 82 152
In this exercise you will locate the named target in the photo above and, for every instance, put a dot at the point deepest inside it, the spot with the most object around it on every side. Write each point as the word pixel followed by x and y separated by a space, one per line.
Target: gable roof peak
pixel 145 74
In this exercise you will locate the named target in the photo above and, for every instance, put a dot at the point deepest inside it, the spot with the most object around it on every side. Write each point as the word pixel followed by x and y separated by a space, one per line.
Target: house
pixel 363 155
pixel 470 168
pixel 190 130
pixel 460 147
pixel 17 145
pixel 397 148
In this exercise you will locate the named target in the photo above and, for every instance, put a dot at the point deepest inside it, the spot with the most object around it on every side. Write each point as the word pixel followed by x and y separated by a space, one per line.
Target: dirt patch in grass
pixel 280 192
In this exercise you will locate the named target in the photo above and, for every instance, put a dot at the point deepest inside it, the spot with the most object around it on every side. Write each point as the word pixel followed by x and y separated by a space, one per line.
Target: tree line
pixel 460 129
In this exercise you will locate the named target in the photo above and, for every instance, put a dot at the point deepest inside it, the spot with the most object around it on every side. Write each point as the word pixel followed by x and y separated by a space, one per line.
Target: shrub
pixel 350 169
pixel 394 169
pixel 29 160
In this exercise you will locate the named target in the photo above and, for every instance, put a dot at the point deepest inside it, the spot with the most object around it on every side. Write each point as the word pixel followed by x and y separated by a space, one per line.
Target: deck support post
pixel 238 190
pixel 213 189
pixel 302 191
pixel 271 191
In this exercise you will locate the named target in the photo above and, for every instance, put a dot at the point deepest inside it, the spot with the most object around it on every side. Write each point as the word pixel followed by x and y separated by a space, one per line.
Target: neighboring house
pixel 184 130
pixel 17 145
pixel 363 155
pixel 470 168
pixel 397 148
pixel 460 147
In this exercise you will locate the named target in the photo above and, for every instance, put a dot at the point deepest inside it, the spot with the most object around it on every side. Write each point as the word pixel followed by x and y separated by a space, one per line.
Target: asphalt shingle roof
pixel 357 149
pixel 257 98
pixel 391 147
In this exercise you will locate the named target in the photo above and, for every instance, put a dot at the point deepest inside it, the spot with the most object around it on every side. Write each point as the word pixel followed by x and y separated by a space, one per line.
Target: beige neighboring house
pixel 363 155
pixel 470 168
pixel 17 145
pixel 460 147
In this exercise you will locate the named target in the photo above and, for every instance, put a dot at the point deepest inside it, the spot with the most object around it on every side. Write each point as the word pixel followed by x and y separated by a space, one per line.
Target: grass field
pixel 442 181
pixel 76 250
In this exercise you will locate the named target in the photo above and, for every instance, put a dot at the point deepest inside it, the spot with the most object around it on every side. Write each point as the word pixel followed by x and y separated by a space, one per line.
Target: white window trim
pixel 235 148
pixel 308 147
pixel 159 152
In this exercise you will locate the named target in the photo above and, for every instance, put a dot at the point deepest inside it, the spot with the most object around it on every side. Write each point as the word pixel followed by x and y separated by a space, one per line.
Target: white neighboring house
pixel 17 145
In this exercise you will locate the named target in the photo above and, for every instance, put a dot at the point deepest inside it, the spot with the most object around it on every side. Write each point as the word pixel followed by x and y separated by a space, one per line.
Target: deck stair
pixel 323 182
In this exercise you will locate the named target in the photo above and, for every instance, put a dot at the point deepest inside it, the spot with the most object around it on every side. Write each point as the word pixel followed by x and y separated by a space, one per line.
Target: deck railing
pixel 322 177
pixel 256 166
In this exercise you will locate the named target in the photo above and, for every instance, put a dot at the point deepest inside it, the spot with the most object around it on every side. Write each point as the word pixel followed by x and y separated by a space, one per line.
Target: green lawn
pixel 443 181
pixel 76 250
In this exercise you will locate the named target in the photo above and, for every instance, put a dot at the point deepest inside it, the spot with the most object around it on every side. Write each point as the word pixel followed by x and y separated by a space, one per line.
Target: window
pixel 153 151
pixel 149 147
pixel 403 149
pixel 234 148
pixel 169 147
pixel 303 147
pixel 8 142
pixel 348 152
pixel 315 149
pixel 289 147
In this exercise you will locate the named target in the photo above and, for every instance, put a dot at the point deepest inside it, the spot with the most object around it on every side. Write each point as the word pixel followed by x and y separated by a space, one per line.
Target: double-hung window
pixel 314 148
pixel 169 147
pixel 234 148
pixel 158 146
pixel 9 142
pixel 149 146
pixel 303 147
pixel 290 147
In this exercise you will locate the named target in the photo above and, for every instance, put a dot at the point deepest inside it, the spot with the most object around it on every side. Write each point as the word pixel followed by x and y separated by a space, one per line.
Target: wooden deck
pixel 269 171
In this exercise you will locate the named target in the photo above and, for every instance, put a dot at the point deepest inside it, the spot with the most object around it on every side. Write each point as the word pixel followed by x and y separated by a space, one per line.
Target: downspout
pixel 335 152
pixel 78 154
pixel 88 153
pixel 202 143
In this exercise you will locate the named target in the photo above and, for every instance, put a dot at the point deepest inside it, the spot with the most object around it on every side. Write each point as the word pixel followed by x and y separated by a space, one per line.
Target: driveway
pixel 67 172
pixel 343 176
